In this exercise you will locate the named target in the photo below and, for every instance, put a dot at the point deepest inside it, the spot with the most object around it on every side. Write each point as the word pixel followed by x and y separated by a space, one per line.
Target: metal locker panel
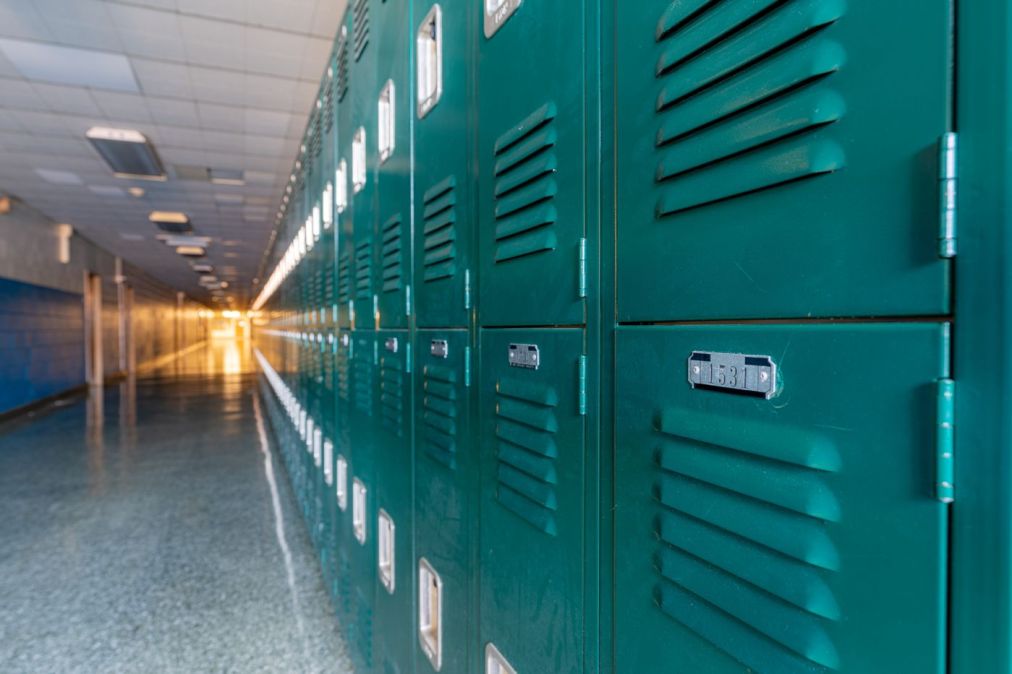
pixel 788 535
pixel 532 444
pixel 343 212
pixel 343 474
pixel 362 472
pixel 394 621
pixel 444 197
pixel 363 161
pixel 768 147
pixel 394 103
pixel 531 144
pixel 445 469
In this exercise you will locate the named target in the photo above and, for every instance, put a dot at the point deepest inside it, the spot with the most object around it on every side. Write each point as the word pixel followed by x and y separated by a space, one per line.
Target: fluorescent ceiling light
pixel 226 176
pixel 235 199
pixel 127 152
pixel 201 241
pixel 69 65
pixel 107 191
pixel 59 177
pixel 203 268
pixel 136 192
pixel 171 221
pixel 190 251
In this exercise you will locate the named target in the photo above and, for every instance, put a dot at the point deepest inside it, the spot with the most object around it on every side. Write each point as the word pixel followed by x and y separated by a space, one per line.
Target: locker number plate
pixel 439 348
pixel 733 373
pixel 526 356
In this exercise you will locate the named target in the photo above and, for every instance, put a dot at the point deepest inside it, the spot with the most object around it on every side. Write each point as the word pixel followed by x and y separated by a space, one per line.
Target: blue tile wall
pixel 41 343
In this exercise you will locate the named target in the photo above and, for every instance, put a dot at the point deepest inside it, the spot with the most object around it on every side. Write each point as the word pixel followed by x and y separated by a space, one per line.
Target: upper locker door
pixel 779 158
pixel 343 214
pixel 799 534
pixel 531 140
pixel 362 164
pixel 444 136
pixel 393 175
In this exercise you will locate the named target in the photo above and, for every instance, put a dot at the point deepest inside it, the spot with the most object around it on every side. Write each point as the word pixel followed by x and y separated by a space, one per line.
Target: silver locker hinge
pixel 407 357
pixel 467 366
pixel 948 191
pixel 945 473
pixel 583 385
pixel 467 290
pixel 581 289
pixel 407 300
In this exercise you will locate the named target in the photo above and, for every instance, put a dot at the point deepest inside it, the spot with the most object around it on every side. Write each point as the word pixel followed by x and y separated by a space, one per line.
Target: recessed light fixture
pixel 136 192
pixel 203 268
pixel 182 240
pixel 171 221
pixel 107 191
pixel 190 251
pixel 59 177
pixel 226 177
pixel 127 152
pixel 70 65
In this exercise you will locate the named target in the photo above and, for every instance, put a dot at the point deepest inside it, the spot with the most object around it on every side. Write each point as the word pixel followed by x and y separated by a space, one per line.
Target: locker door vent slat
pixel 343 374
pixel 328 104
pixel 440 230
pixel 745 557
pixel 363 380
pixel 360 27
pixel 525 187
pixel 344 278
pixel 363 271
pixel 393 255
pixel 527 453
pixel 744 91
pixel 342 68
pixel 440 412
pixel 392 395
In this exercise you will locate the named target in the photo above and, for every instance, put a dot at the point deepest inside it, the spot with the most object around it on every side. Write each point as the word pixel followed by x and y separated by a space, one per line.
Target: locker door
pixel 362 494
pixel 394 626
pixel 780 159
pixel 343 212
pixel 342 474
pixel 798 534
pixel 444 211
pixel 445 466
pixel 362 164
pixel 531 139
pixel 532 460
pixel 394 105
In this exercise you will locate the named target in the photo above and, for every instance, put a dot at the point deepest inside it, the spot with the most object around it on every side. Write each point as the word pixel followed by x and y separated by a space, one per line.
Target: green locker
pixel 393 105
pixel 362 494
pixel 394 523
pixel 792 534
pixel 362 164
pixel 342 176
pixel 532 214
pixel 342 478
pixel 532 541
pixel 444 137
pixel 767 146
pixel 445 463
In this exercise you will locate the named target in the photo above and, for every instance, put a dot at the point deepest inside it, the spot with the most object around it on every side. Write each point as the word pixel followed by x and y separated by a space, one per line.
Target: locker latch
pixel 948 190
pixel 945 473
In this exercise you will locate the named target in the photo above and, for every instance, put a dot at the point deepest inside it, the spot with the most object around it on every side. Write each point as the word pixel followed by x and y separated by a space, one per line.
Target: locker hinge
pixel 467 366
pixel 948 190
pixel 581 289
pixel 467 290
pixel 375 352
pixel 407 300
pixel 944 442
pixel 583 385
pixel 407 357
pixel 351 311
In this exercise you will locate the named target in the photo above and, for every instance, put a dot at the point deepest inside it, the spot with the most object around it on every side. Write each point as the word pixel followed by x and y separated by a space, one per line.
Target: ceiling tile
pixel 174 112
pixel 148 32
pixel 163 79
pixel 70 100
pixel 70 65
pixel 123 107
pixel 22 20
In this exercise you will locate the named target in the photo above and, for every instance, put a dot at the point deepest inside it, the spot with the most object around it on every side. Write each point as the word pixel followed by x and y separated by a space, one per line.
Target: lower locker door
pixel 362 496
pixel 532 530
pixel 792 535
pixel 445 465
pixel 394 622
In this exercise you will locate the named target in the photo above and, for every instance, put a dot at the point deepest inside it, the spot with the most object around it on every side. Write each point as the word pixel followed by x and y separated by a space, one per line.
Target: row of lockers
pixel 547 339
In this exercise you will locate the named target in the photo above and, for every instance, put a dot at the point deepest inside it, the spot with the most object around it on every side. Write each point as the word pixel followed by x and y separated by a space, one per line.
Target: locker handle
pixel 429 47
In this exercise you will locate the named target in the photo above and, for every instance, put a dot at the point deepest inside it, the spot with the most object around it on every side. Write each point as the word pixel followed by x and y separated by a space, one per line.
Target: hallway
pixel 149 529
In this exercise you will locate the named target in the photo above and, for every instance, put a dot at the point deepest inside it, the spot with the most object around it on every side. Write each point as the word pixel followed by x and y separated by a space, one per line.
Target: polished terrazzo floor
pixel 148 529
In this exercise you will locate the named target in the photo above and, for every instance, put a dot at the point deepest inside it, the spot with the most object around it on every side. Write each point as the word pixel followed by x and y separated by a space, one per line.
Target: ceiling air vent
pixel 128 153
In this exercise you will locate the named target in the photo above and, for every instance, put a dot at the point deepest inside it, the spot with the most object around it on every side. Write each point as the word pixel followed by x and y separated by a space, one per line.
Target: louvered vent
pixel 744 549
pixel 526 450
pixel 440 414
pixel 344 279
pixel 361 27
pixel 392 378
pixel 363 271
pixel 393 256
pixel 525 187
pixel 342 68
pixel 343 373
pixel 363 381
pixel 743 88
pixel 317 134
pixel 440 230
pixel 328 104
